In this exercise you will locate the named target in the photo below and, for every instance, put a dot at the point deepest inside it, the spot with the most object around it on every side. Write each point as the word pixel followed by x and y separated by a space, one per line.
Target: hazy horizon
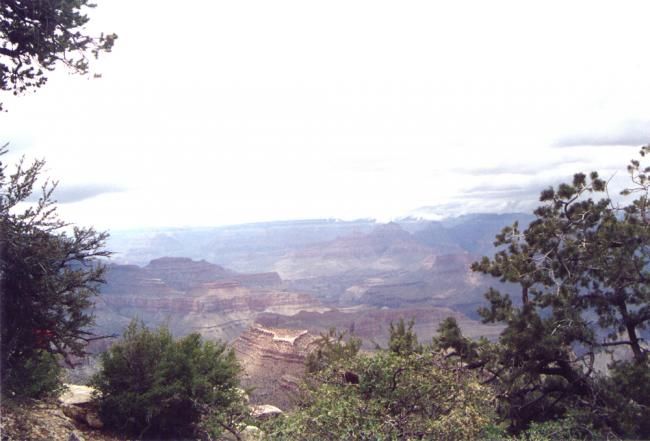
pixel 233 113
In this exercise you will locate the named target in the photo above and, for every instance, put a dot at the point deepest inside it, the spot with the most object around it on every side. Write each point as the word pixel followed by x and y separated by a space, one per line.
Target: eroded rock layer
pixel 193 296
pixel 273 360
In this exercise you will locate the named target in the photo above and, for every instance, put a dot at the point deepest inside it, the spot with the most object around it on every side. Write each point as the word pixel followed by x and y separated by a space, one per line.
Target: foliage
pixel 48 277
pixel 562 429
pixel 37 35
pixel 151 384
pixel 38 376
pixel 332 348
pixel 395 395
pixel 450 338
pixel 629 389
pixel 583 267
pixel 402 339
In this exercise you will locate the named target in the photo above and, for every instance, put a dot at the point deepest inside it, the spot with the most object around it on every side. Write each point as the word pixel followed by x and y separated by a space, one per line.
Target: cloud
pixel 487 198
pixel 520 168
pixel 65 194
pixel 525 192
pixel 469 206
pixel 629 133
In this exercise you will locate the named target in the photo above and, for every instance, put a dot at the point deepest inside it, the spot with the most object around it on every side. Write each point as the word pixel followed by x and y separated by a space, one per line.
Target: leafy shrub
pixel 564 429
pixel 403 340
pixel 332 347
pixel 151 384
pixel 398 396
pixel 38 376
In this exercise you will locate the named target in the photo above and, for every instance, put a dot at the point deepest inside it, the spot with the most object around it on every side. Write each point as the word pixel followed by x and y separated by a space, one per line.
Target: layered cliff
pixel 372 324
pixel 273 360
pixel 193 296
pixel 387 248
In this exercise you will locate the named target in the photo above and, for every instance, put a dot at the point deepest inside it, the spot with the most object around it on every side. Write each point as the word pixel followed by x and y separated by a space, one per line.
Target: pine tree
pixel 48 276
pixel 583 267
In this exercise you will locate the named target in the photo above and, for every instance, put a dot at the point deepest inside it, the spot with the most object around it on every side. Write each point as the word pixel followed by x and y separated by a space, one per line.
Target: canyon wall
pixel 273 361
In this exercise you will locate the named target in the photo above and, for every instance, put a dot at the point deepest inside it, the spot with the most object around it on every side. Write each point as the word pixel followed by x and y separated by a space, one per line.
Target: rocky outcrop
pixel 77 402
pixel 177 275
pixel 131 279
pixel 173 284
pixel 269 355
pixel 77 394
pixel 192 296
pixel 182 273
pixel 387 248
pixel 271 279
pixel 265 411
pixel 39 420
pixel 75 436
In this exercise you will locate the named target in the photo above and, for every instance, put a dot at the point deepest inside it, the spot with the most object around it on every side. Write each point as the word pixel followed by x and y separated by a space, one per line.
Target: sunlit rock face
pixel 273 360
pixel 193 296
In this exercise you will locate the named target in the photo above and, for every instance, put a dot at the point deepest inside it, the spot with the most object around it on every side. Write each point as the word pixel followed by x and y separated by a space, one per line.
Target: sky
pixel 221 112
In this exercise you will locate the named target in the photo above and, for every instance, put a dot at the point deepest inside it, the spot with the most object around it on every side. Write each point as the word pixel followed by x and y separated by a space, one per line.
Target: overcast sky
pixel 221 112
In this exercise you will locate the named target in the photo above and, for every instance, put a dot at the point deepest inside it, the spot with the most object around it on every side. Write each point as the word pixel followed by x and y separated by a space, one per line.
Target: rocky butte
pixel 193 296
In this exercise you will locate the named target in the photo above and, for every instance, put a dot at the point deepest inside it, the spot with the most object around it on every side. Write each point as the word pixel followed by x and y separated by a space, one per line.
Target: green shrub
pixel 562 429
pixel 38 376
pixel 153 385
pixel 392 397
pixel 332 347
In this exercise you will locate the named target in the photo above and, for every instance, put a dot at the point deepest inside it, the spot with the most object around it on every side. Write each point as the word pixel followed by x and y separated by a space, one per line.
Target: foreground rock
pixel 265 411
pixel 75 436
pixel 77 403
pixel 76 394
pixel 34 420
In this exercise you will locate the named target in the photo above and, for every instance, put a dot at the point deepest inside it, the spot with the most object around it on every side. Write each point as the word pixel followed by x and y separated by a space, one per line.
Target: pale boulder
pixel 265 411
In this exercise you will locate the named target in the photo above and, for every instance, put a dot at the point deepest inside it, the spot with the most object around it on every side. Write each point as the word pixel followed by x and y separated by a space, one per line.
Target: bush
pixel 153 385
pixel 391 396
pixel 332 347
pixel 36 377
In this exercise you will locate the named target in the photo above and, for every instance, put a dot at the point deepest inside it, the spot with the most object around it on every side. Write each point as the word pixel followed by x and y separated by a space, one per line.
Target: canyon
pixel 271 289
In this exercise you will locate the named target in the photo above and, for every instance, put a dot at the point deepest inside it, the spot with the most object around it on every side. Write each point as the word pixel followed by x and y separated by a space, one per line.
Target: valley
pixel 313 275
pixel 254 286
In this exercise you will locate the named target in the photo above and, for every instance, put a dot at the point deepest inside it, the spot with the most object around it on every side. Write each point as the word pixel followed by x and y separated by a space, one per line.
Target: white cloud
pixel 223 112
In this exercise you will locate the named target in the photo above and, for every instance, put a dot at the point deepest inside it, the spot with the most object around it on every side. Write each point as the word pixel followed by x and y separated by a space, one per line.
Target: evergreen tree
pixel 36 35
pixel 402 339
pixel 48 276
pixel 583 267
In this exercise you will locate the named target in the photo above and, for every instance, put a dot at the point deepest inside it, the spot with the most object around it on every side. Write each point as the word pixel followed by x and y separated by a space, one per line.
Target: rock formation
pixel 372 324
pixel 193 296
pixel 70 418
pixel 272 359
pixel 77 403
